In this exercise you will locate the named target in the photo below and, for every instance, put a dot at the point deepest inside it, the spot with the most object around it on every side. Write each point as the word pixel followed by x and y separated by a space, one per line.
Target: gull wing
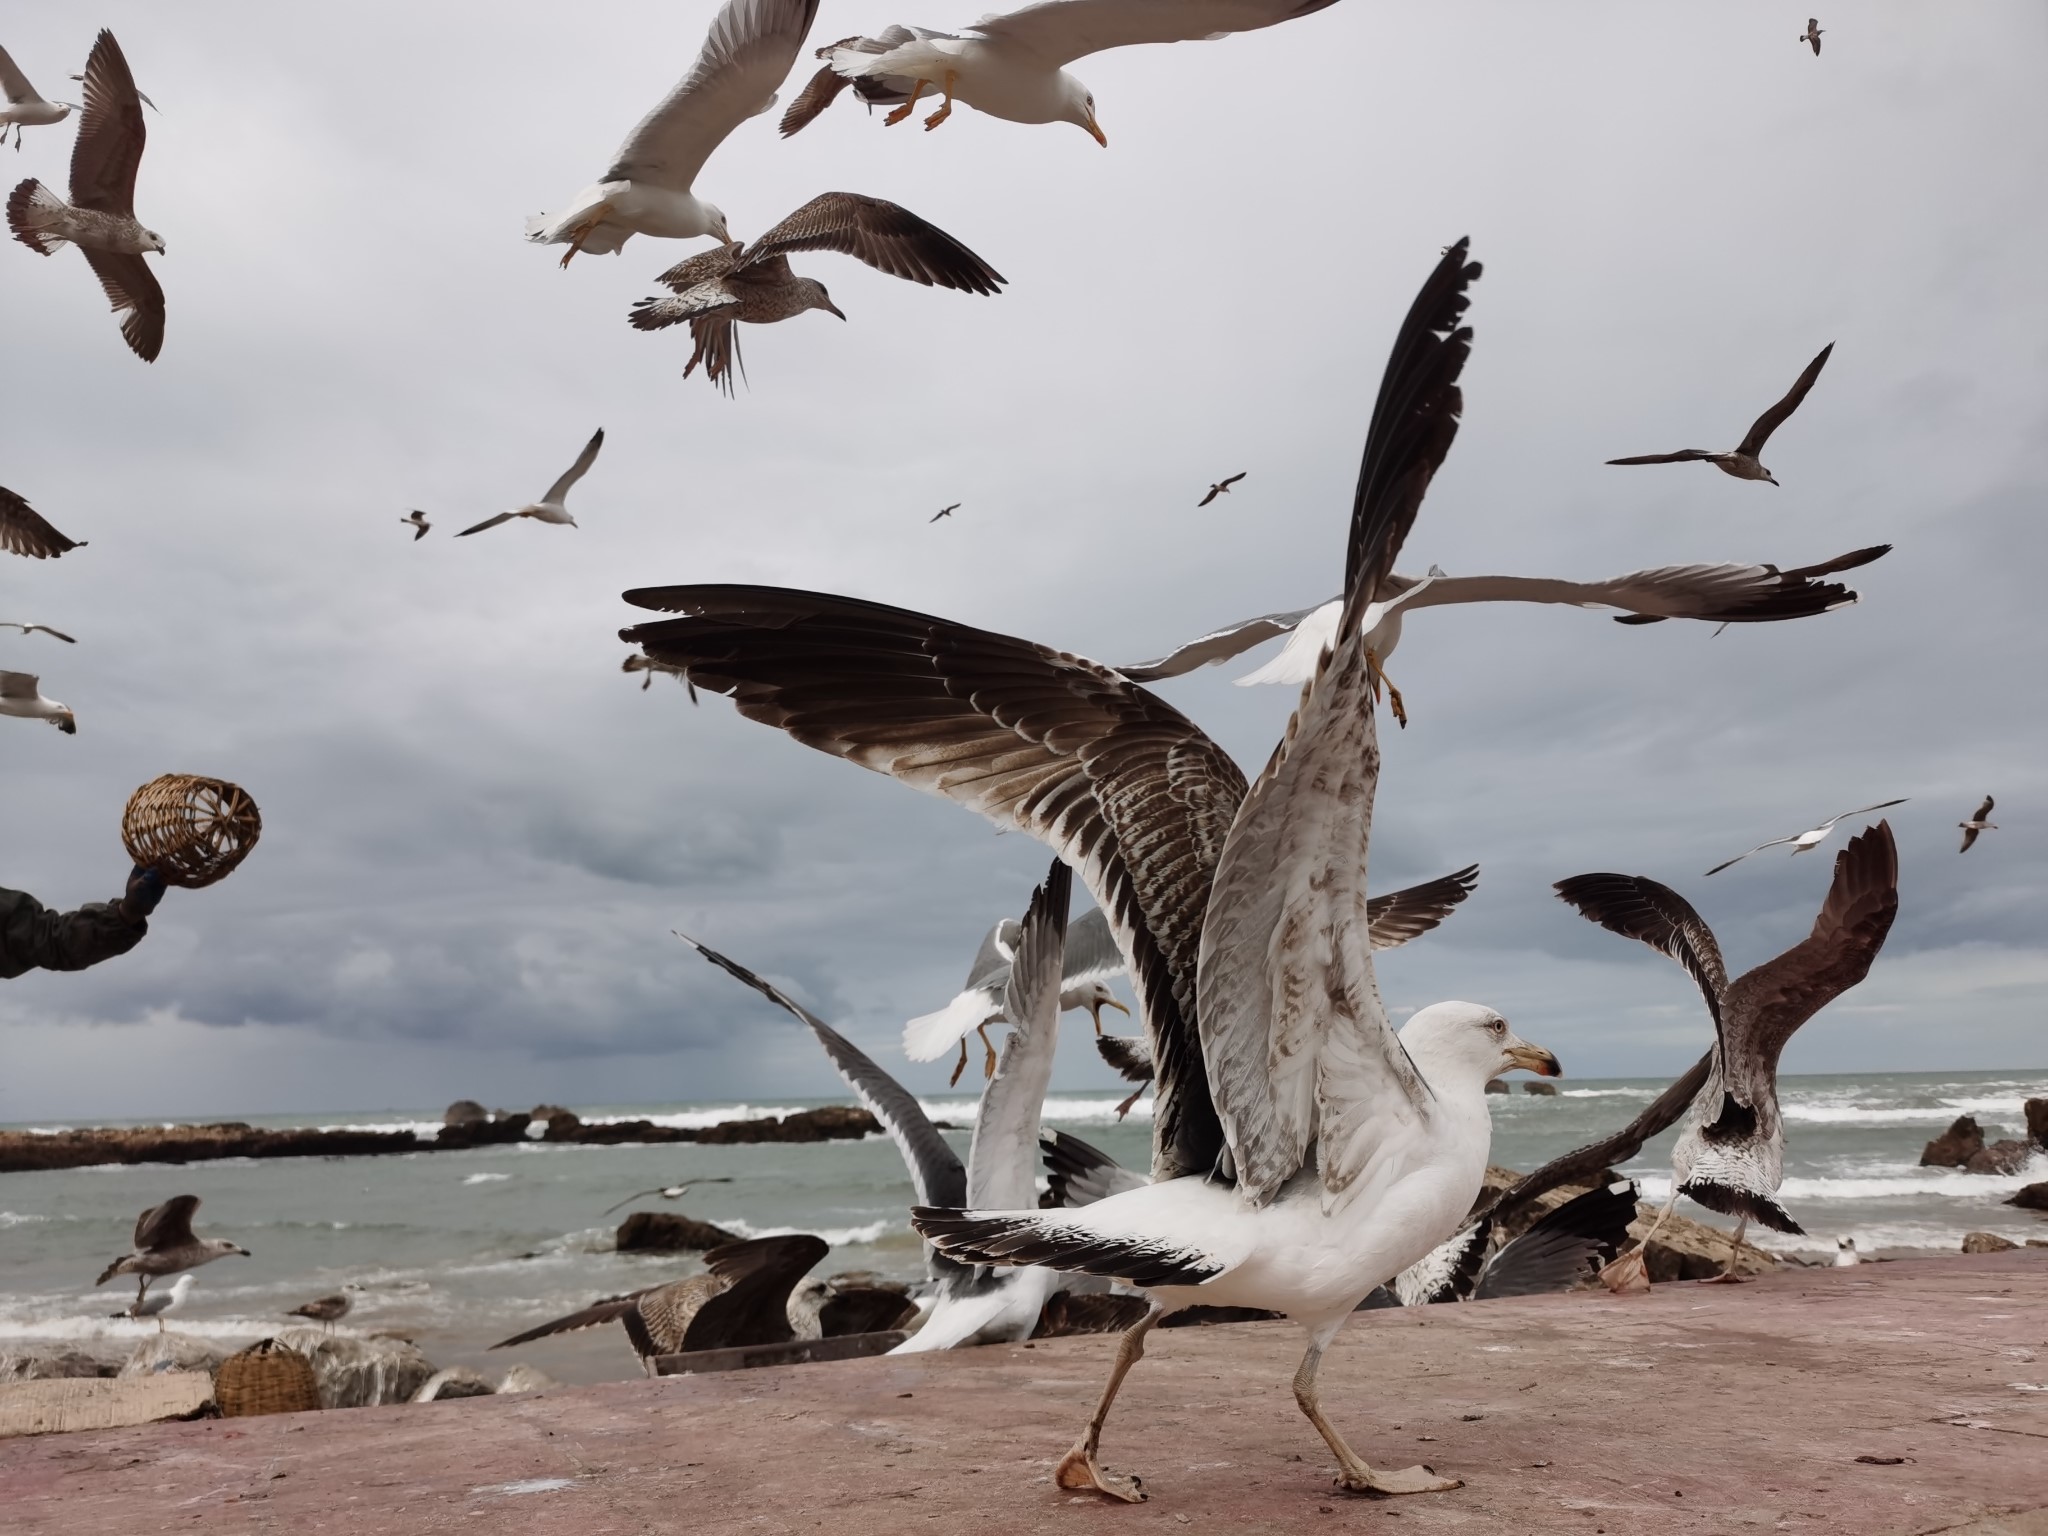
pixel 929 1036
pixel 575 471
pixel 759 1274
pixel 887 237
pixel 1983 810
pixel 1862 810
pixel 133 292
pixel 1640 908
pixel 14 82
pixel 704 267
pixel 717 347
pixel 1771 420
pixel 489 522
pixel 1740 594
pixel 1079 1173
pixel 1394 919
pixel 610 1309
pixel 22 685
pixel 875 90
pixel 1115 780
pixel 1003 1164
pixel 1293 1032
pixel 23 530
pixel 1776 842
pixel 168 1225
pixel 1129 1056
pixel 1092 952
pixel 111 134
pixel 747 52
pixel 1683 456
pixel 1218 645
pixel 695 302
pixel 1563 1248
pixel 814 98
pixel 1057 32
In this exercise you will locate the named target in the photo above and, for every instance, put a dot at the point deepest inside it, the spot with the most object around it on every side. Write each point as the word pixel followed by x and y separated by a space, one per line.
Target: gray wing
pixel 23 530
pixel 54 634
pixel 1983 810
pixel 887 237
pixel 1403 915
pixel 1092 953
pixel 704 267
pixel 133 293
pixel 1078 1173
pixel 1863 810
pixel 759 1274
pixel 929 1036
pixel 1129 1056
pixel 1217 646
pixel 1563 1248
pixel 14 82
pixel 1640 908
pixel 577 470
pixel 489 522
pixel 610 1310
pixel 1056 32
pixel 1776 842
pixel 22 685
pixel 1771 420
pixel 1683 456
pixel 168 1225
pixel 1747 594
pixel 111 134
pixel 1002 1167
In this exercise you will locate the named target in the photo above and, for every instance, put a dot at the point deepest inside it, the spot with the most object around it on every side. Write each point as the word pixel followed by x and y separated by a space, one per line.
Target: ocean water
pixel 458 1249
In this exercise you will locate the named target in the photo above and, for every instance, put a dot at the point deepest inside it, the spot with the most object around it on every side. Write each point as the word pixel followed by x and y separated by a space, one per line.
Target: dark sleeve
pixel 31 935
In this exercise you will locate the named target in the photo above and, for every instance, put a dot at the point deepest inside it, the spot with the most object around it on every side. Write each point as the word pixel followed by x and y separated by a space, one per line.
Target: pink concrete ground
pixel 1694 1409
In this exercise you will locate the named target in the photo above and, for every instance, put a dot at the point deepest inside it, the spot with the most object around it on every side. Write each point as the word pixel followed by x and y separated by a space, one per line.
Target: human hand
pixel 145 890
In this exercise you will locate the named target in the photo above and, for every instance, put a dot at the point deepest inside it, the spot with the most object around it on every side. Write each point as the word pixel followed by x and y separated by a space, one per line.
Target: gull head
pixel 815 297
pixel 1095 997
pixel 152 241
pixel 1077 106
pixel 1452 1042
pixel 716 217
pixel 65 721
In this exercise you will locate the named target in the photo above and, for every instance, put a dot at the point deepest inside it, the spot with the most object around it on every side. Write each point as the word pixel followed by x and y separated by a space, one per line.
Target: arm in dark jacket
pixel 31 935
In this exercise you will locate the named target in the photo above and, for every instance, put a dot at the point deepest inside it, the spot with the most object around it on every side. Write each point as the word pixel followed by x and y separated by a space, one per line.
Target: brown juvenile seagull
pixel 164 1245
pixel 753 283
pixel 327 1311
pixel 1811 34
pixel 24 532
pixel 741 1298
pixel 100 218
pixel 1976 824
pixel 1741 461
pixel 1221 487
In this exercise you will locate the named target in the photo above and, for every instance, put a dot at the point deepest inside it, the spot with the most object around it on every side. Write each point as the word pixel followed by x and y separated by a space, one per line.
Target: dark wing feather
pixel 610 1310
pixel 1795 595
pixel 168 1225
pixel 1774 418
pixel 1129 1056
pixel 1218 645
pixel 23 530
pixel 1403 915
pixel 704 267
pixel 131 287
pixel 1116 781
pixel 887 237
pixel 823 90
pixel 111 133
pixel 754 1308
pixel 1562 1249
pixel 1640 908
pixel 1983 810
pixel 717 341
pixel 1683 456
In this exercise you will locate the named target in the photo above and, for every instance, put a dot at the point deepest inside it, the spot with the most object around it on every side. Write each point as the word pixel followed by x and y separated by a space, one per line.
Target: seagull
pixel 164 1245
pixel 100 217
pixel 1971 828
pixel 1846 1256
pixel 1806 842
pixel 945 512
pixel 23 531
pixel 973 1305
pixel 550 508
pixel 21 695
pixel 1010 66
pixel 650 667
pixel 420 525
pixel 716 289
pixel 1811 34
pixel 667 1191
pixel 326 1311
pixel 741 1298
pixel 156 1306
pixel 25 108
pixel 1302 1153
pixel 647 190
pixel 1717 594
pixel 1221 488
pixel 37 629
pixel 1730 1154
pixel 1741 461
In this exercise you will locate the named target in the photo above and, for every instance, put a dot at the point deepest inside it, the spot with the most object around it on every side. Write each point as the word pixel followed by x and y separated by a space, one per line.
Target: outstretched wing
pixel 887 237
pixel 1771 420
pixel 1640 908
pixel 930 1035
pixel 1563 1248
pixel 489 522
pixel 1740 594
pixel 1776 842
pixel 1683 456
pixel 1403 915
pixel 1092 953
pixel 134 294
pixel 1983 810
pixel 23 530
pixel 610 1310
pixel 577 470
pixel 1218 645
pixel 1057 32
pixel 754 1307
pixel 111 134
pixel 1003 1165
pixel 168 1225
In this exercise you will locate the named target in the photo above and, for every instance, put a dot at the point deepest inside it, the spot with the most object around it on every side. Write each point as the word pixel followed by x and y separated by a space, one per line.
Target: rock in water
pixel 2001 1157
pixel 661 1232
pixel 1987 1242
pixel 1496 1086
pixel 465 1112
pixel 562 1124
pixel 2037 1122
pixel 1954 1147
pixel 1541 1090
pixel 2033 1198
pixel 359 1373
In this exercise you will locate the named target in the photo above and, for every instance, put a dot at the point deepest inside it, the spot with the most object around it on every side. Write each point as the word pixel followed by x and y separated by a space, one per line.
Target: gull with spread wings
pixel 1807 841
pixel 1971 828
pixel 25 532
pixel 25 106
pixel 1222 488
pixel 164 1245
pixel 553 507
pixel 648 188
pixel 21 695
pixel 1742 460
pixel 37 629
pixel 1302 1152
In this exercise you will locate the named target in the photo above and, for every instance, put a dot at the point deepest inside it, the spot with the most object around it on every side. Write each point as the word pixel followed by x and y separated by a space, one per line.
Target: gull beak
pixel 1095 131
pixel 1533 1058
pixel 835 309
pixel 1101 1003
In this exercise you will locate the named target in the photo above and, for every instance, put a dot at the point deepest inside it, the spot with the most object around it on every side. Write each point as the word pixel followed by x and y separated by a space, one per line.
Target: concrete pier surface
pixel 1887 1400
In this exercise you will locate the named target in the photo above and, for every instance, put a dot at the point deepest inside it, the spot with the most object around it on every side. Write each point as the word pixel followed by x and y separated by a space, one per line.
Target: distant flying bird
pixel 420 525
pixel 1976 824
pixel 25 108
pixel 1221 487
pixel 753 283
pixel 24 532
pixel 164 1244
pixel 1742 461
pixel 550 508
pixel 668 1191
pixel 156 1306
pixel 1811 34
pixel 37 629
pixel 945 512
pixel 1806 842
pixel 647 190
pixel 21 695
pixel 100 218
pixel 327 1311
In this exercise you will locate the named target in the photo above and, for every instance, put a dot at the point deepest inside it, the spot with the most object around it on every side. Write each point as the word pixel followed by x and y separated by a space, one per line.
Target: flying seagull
pixel 668 1191
pixel 21 695
pixel 1971 828
pixel 37 629
pixel 945 512
pixel 24 532
pixel 326 1310
pixel 1742 461
pixel 164 1245
pixel 420 525
pixel 647 190
pixel 100 218
pixel 156 1306
pixel 973 1305
pixel 741 1298
pixel 1730 1155
pixel 551 508
pixel 1221 488
pixel 1806 842
pixel 25 108
pixel 754 284
pixel 1011 66
pixel 1228 899
pixel 1811 34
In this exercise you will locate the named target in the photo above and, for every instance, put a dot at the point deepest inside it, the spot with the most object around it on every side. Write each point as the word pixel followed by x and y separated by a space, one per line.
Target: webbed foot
pixel 1078 1471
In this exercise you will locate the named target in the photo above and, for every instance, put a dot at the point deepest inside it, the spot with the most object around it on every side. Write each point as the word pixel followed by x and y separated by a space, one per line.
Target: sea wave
pixel 18 1218
pixel 838 1237
pixel 1901 1181
pixel 1059 1109
pixel 2002 1112
pixel 1608 1093
pixel 488 1178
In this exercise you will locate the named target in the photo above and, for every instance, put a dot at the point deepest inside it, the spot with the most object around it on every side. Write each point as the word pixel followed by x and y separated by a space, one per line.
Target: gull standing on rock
pixel 551 508
pixel 21 695
pixel 1742 460
pixel 24 532
pixel 326 1311
pixel 164 1245
pixel 1971 828
pixel 25 107
pixel 100 217
pixel 647 190
pixel 1807 841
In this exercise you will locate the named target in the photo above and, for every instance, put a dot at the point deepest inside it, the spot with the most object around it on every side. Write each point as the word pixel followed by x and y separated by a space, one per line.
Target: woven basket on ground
pixel 193 829
pixel 265 1378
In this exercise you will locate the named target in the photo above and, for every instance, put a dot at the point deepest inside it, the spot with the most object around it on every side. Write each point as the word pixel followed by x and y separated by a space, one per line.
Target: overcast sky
pixel 478 834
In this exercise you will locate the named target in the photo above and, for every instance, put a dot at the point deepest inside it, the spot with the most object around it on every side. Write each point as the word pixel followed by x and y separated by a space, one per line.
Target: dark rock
pixel 562 1124
pixel 1954 1147
pixel 1497 1086
pixel 1541 1090
pixel 661 1232
pixel 833 1122
pixel 2001 1157
pixel 2033 1198
pixel 484 1133
pixel 1987 1242
pixel 465 1112
pixel 614 1133
pixel 24 1153
pixel 2037 1122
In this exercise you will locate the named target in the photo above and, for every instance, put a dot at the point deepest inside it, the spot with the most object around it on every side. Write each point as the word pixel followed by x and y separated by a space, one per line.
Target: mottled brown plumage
pixel 24 531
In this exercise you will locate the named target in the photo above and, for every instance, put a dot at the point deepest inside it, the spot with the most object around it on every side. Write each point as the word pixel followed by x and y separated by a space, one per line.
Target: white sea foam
pixel 838 1237
pixel 488 1178
pixel 18 1219
pixel 1608 1093
pixel 1887 1182
pixel 1059 1109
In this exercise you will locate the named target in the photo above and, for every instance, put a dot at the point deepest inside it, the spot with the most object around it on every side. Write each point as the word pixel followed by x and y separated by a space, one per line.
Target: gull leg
pixel 585 230
pixel 1728 1275
pixel 910 106
pixel 1353 1475
pixel 961 1066
pixel 141 1285
pixel 990 1069
pixel 946 108
pixel 1372 667
pixel 1630 1271
pixel 1077 1469
pixel 1125 1107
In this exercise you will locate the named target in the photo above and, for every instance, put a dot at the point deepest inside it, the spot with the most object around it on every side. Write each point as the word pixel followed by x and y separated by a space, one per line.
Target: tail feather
pixel 24 204
pixel 1748 1204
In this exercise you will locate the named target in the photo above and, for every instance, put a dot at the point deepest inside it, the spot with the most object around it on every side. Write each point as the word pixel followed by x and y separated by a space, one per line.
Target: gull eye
pixel 1498 1027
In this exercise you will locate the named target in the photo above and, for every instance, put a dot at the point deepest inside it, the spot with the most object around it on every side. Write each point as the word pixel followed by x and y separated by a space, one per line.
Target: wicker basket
pixel 194 830
pixel 265 1378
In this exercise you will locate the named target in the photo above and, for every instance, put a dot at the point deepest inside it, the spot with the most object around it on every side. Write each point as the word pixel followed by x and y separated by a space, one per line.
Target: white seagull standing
pixel 158 1304
pixel 1742 461
pixel 1302 1153
pixel 647 190
pixel 21 695
pixel 551 508
pixel 25 107
pixel 1807 841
